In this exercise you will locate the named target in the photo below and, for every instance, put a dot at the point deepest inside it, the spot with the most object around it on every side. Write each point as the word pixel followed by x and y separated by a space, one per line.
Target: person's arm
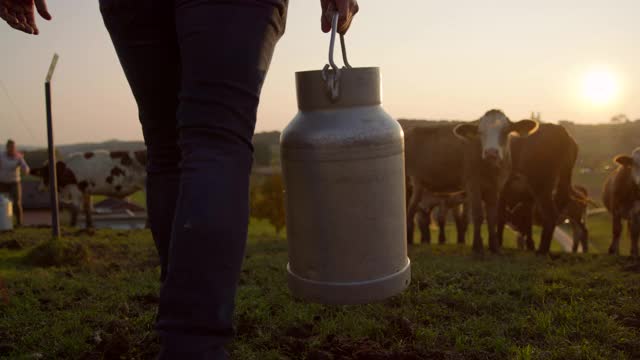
pixel 24 166
pixel 21 14
pixel 347 10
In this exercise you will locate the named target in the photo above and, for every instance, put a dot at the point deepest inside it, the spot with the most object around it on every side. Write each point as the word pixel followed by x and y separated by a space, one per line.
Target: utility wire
pixel 17 110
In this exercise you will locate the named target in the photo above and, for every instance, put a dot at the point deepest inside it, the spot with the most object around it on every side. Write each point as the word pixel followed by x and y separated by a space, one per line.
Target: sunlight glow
pixel 600 87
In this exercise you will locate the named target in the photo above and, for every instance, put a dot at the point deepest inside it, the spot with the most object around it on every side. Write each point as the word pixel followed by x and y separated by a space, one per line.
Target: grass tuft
pixel 58 252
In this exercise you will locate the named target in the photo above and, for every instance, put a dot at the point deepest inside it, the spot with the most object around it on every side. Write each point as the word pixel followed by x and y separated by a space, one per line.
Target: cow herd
pixel 509 173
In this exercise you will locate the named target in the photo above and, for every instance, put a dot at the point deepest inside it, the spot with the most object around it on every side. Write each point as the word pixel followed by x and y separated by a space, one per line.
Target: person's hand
pixel 346 8
pixel 20 14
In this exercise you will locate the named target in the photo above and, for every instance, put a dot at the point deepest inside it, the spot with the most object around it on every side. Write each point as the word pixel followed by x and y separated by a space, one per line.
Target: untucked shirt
pixel 10 167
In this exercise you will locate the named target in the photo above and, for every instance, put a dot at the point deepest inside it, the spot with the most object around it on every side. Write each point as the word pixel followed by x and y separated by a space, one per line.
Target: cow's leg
pixel 74 210
pixel 585 237
pixel 527 226
pixel 614 248
pixel 414 202
pixel 442 222
pixel 491 209
pixel 477 213
pixel 501 216
pixel 521 240
pixel 634 232
pixel 462 221
pixel 575 230
pixel 549 218
pixel 424 222
pixel 86 204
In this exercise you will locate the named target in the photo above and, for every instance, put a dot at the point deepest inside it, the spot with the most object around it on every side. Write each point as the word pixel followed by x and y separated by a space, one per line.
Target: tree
pixel 267 201
pixel 620 119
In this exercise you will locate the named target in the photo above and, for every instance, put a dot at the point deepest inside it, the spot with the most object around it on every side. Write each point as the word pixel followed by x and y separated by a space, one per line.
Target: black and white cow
pixel 110 173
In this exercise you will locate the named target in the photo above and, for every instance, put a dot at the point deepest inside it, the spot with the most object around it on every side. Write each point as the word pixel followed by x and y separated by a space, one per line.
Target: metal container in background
pixel 6 213
pixel 343 166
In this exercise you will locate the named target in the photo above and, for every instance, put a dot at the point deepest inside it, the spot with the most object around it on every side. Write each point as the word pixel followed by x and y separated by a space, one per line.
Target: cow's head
pixel 64 175
pixel 493 130
pixel 632 162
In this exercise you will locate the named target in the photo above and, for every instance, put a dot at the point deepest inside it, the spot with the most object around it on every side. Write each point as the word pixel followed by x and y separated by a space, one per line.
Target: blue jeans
pixel 196 68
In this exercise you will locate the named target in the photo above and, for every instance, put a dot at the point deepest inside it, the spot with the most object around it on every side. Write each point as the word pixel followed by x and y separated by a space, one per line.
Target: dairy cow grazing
pixel 471 157
pixel 621 197
pixel 110 173
pixel 540 178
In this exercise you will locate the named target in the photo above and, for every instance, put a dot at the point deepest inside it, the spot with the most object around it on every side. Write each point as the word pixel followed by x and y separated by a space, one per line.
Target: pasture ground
pixel 93 296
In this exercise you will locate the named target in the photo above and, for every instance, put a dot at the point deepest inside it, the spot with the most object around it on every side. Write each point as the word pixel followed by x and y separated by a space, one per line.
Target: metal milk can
pixel 343 166
pixel 6 213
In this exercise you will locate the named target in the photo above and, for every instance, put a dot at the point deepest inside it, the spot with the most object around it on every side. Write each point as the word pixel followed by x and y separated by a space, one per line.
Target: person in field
pixel 11 163
pixel 196 68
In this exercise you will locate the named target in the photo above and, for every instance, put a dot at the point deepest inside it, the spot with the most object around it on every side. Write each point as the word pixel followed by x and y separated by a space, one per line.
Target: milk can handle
pixel 332 78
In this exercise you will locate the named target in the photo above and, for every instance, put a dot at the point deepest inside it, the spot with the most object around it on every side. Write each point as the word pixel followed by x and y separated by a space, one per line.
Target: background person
pixel 196 69
pixel 11 162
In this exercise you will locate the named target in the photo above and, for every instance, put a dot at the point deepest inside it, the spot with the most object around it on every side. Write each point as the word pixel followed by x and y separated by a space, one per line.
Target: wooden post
pixel 53 178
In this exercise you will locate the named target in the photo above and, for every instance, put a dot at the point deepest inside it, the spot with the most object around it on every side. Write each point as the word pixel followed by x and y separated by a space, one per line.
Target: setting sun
pixel 600 87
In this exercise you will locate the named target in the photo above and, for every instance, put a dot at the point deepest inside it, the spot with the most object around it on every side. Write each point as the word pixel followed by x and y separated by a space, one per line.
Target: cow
pixel 433 163
pixel 442 204
pixel 472 157
pixel 110 173
pixel 487 166
pixel 518 216
pixel 621 197
pixel 541 177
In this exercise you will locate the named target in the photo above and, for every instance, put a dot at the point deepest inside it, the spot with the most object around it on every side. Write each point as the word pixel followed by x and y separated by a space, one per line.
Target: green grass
pixel 459 306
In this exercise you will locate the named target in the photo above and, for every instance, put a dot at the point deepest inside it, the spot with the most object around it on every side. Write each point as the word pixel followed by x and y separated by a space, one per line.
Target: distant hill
pixel 267 138
pixel 106 145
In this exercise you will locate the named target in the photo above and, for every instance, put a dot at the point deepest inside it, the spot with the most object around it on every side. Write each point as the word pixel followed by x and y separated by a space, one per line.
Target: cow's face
pixel 493 131
pixel 632 162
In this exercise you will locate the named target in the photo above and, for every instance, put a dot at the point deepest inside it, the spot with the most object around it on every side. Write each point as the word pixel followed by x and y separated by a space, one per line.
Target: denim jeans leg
pixel 225 49
pixel 143 34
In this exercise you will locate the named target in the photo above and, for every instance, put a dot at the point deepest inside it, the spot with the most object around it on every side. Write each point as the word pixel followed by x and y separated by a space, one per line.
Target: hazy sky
pixel 439 60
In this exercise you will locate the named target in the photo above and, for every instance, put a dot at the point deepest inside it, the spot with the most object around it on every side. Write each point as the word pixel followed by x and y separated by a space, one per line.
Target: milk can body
pixel 343 167
pixel 6 213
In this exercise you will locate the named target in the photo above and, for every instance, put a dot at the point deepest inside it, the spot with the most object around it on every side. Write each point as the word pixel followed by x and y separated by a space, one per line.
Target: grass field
pixel 94 297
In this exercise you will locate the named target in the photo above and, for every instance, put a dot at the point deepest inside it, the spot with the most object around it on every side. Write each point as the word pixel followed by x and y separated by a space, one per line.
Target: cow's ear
pixel 623 160
pixel 524 127
pixel 466 131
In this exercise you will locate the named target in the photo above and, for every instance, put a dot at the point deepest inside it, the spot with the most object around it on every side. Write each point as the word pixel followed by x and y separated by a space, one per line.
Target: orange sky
pixel 451 60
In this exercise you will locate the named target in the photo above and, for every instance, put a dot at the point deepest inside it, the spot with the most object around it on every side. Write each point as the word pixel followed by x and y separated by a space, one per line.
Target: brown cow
pixel 518 216
pixel 487 166
pixel 621 196
pixel 472 157
pixel 442 204
pixel 433 158
pixel 541 177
